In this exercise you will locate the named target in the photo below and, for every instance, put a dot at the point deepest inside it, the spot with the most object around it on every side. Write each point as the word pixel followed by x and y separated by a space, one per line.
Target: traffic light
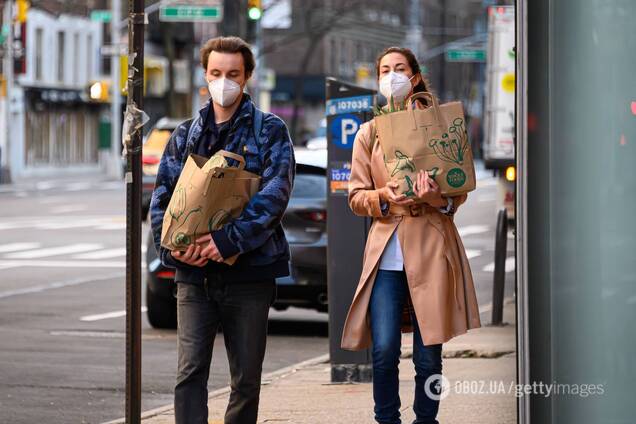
pixel 22 7
pixel 98 91
pixel 254 9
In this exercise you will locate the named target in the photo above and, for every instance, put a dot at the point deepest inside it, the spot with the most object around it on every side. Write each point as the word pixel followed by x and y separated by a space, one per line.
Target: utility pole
pixel 115 105
pixel 7 68
pixel 132 140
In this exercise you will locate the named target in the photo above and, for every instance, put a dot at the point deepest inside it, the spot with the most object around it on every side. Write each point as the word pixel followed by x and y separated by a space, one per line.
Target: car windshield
pixel 309 186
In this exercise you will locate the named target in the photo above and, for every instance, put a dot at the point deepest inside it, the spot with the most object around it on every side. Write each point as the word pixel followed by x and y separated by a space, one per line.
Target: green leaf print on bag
pixel 177 204
pixel 403 163
pixel 217 219
pixel 453 144
pixel 181 239
pixel 409 183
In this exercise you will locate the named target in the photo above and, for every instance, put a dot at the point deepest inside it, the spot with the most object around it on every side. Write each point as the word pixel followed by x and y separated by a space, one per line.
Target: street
pixel 62 302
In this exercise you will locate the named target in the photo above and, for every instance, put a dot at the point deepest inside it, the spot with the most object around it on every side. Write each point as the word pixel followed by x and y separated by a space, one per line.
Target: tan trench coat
pixel 437 269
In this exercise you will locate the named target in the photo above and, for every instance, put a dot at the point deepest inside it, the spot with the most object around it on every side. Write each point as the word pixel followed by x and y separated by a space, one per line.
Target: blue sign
pixel 344 129
pixel 349 105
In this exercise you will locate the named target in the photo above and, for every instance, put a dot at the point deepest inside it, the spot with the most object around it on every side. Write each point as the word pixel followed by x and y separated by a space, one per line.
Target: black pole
pixel 499 274
pixel 133 214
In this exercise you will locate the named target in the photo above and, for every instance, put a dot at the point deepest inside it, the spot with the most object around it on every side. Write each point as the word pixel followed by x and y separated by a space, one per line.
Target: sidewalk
pixel 303 394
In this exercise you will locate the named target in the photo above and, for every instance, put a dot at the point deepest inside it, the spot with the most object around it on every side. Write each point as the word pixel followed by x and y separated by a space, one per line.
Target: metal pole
pixel 258 47
pixel 8 72
pixel 499 274
pixel 133 214
pixel 115 105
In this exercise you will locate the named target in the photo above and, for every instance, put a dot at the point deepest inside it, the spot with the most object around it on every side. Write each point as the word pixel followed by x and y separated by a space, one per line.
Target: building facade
pixel 53 125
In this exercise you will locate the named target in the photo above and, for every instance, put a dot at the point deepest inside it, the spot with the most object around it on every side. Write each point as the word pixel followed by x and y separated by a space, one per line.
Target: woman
pixel 414 265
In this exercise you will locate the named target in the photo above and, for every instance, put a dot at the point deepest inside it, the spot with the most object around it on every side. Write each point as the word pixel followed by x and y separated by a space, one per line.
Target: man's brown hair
pixel 229 45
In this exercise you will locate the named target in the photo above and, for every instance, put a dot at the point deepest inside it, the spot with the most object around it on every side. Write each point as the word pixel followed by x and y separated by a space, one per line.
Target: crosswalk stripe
pixel 102 254
pixel 510 265
pixel 15 247
pixel 472 229
pixel 63 264
pixel 54 251
pixel 115 314
pixel 471 253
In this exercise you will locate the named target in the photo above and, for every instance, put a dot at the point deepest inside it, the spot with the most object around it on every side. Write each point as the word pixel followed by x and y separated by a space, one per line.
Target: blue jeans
pixel 388 297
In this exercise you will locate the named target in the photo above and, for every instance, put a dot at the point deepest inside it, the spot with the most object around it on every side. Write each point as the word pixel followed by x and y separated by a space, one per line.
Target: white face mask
pixel 224 91
pixel 396 85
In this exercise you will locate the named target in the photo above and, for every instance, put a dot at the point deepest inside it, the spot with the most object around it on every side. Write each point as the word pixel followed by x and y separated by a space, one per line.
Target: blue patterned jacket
pixel 257 234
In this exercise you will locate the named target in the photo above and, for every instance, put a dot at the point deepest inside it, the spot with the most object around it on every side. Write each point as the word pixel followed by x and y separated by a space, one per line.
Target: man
pixel 209 292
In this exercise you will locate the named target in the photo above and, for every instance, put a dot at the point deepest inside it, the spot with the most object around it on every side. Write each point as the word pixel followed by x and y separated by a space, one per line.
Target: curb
pixel 265 380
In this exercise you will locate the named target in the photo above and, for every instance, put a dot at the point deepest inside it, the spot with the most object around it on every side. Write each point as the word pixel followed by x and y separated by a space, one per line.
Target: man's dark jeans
pixel 385 309
pixel 241 309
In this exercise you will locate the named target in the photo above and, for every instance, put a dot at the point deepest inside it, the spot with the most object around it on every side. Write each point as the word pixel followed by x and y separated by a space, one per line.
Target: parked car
pixel 153 147
pixel 305 223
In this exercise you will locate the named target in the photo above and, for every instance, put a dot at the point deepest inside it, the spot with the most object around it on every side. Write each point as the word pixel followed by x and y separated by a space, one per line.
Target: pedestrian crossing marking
pixel 15 247
pixel 469 230
pixel 102 254
pixel 54 251
pixel 510 265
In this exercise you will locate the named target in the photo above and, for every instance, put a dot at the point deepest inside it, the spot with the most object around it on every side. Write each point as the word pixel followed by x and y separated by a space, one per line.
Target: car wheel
pixel 162 313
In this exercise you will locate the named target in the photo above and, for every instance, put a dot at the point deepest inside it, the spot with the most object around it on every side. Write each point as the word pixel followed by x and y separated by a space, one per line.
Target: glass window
pixel 308 186
pixel 60 56
pixel 38 54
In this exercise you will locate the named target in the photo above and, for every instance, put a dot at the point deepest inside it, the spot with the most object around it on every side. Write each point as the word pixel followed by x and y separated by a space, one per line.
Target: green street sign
pixel 101 15
pixel 190 13
pixel 466 55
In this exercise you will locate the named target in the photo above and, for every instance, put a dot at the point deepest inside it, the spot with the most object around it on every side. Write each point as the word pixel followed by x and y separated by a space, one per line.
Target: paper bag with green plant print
pixel 433 139
pixel 208 194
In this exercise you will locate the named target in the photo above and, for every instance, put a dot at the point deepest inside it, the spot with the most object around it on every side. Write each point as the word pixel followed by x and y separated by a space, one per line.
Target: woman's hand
pixel 388 194
pixel 427 190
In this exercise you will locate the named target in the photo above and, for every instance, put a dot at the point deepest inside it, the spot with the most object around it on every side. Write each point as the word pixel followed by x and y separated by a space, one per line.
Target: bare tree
pixel 316 20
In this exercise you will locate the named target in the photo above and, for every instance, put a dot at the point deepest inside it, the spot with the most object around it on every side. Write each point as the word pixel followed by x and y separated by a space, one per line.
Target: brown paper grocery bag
pixel 206 197
pixel 433 139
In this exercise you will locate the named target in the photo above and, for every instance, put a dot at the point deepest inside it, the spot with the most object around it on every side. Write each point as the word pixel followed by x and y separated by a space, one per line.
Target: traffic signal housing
pixel 254 9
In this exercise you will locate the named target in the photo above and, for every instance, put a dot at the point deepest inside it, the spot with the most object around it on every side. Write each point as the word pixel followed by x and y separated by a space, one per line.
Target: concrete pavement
pixel 479 365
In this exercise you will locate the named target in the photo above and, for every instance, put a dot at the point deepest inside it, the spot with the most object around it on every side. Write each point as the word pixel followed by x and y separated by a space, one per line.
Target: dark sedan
pixel 305 223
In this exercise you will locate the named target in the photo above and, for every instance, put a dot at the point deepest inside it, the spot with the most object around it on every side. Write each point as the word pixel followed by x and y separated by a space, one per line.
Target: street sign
pixel 466 55
pixel 190 13
pixel 101 15
pixel 343 130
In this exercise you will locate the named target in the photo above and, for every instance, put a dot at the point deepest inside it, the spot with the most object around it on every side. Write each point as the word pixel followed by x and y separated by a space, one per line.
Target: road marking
pixel 68 208
pixel 58 285
pixel 15 247
pixel 510 265
pixel 472 229
pixel 77 186
pixel 114 226
pixel 54 251
pixel 102 254
pixel 108 315
pixel 486 198
pixel 487 182
pixel 471 253
pixel 64 264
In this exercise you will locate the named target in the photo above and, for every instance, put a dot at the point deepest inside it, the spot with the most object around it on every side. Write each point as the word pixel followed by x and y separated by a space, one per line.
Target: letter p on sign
pixel 344 129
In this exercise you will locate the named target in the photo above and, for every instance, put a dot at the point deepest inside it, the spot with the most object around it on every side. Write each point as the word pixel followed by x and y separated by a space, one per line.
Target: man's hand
pixel 192 256
pixel 427 190
pixel 388 194
pixel 210 251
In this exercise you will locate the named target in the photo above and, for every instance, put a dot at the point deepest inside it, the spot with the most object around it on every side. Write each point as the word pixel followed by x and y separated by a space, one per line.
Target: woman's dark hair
pixel 423 85
pixel 229 45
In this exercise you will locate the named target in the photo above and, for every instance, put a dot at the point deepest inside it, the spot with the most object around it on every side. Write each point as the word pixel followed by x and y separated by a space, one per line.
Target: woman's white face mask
pixel 224 91
pixel 396 85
